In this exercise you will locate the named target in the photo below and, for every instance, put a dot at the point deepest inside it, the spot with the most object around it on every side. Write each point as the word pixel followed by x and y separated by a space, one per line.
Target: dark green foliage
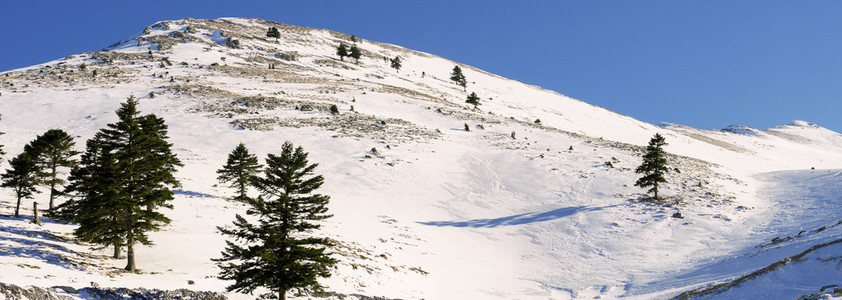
pixel 459 78
pixel 333 109
pixel 654 165
pixel 537 121
pixel 473 99
pixel 95 188
pixel 354 39
pixel 239 171
pixel 22 178
pixel 467 128
pixel 355 53
pixel 342 51
pixel 396 63
pixel 273 33
pixel 51 151
pixel 140 161
pixel 275 253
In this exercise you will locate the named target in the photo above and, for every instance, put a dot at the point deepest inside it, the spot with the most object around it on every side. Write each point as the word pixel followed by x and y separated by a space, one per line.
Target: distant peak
pixel 740 129
pixel 799 123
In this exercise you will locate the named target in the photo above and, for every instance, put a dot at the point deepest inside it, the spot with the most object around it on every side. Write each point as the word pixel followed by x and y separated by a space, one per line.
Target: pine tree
pixel 142 166
pixel 22 177
pixel 51 151
pixel 94 189
pixel 459 78
pixel 275 252
pixel 342 51
pixel 473 99
pixel 239 171
pixel 273 33
pixel 396 63
pixel 654 165
pixel 355 53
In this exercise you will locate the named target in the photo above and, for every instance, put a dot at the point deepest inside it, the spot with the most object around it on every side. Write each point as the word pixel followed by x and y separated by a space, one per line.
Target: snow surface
pixel 438 212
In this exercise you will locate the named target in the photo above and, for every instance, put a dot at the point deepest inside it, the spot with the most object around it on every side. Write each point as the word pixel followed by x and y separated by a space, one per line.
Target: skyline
pixel 704 65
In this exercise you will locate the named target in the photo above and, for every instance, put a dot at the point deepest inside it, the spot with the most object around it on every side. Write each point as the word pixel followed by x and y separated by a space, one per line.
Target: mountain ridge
pixel 459 202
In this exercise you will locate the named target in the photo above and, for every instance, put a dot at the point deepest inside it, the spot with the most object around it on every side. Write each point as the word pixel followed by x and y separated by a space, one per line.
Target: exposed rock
pixel 232 43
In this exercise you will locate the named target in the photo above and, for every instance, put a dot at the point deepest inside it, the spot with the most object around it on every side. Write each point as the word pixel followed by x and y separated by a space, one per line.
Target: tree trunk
pixel 17 208
pixel 130 266
pixel 52 194
pixel 282 295
pixel 116 251
pixel 35 213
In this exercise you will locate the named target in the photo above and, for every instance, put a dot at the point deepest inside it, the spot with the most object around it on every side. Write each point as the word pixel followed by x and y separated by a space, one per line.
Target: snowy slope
pixel 509 209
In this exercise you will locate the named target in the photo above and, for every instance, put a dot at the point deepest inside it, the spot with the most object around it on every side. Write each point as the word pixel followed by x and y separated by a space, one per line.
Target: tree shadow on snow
pixel 192 194
pixel 20 242
pixel 526 218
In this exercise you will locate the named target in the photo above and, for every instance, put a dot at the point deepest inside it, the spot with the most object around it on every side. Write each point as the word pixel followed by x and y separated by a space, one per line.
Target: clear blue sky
pixel 705 64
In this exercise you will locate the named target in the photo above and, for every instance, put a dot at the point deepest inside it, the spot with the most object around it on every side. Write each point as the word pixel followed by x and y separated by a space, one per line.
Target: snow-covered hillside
pixel 512 209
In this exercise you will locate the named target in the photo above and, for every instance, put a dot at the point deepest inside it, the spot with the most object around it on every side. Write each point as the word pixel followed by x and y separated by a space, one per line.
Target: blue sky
pixel 705 64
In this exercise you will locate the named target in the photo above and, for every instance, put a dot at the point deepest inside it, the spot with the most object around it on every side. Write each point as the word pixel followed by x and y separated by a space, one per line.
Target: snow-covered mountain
pixel 535 201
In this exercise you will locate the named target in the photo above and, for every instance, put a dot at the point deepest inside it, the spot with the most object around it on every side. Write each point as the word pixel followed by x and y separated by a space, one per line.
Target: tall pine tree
pixel 134 152
pixel 51 151
pixel 654 165
pixel 94 189
pixel 459 78
pixel 239 171
pixel 278 252
pixel 22 178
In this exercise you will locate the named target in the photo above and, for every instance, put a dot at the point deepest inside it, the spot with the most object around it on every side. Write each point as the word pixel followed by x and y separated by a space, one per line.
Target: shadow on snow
pixel 526 218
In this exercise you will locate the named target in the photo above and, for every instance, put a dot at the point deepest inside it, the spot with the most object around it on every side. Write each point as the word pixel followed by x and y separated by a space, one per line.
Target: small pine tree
pixel 473 99
pixel 342 51
pixel 51 151
pixel 459 78
pixel 354 39
pixel 654 165
pixel 334 109
pixel 22 178
pixel 239 171
pixel 273 33
pixel 467 128
pixel 396 63
pixel 275 253
pixel 355 53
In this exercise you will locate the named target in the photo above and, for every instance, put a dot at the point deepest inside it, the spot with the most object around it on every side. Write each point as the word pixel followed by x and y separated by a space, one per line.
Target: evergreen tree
pixel 354 39
pixel 396 63
pixel 138 158
pixel 473 99
pixel 51 151
pixel 275 252
pixel 94 189
pixel 355 53
pixel 239 171
pixel 342 51
pixel 22 177
pixel 654 165
pixel 459 78
pixel 273 33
